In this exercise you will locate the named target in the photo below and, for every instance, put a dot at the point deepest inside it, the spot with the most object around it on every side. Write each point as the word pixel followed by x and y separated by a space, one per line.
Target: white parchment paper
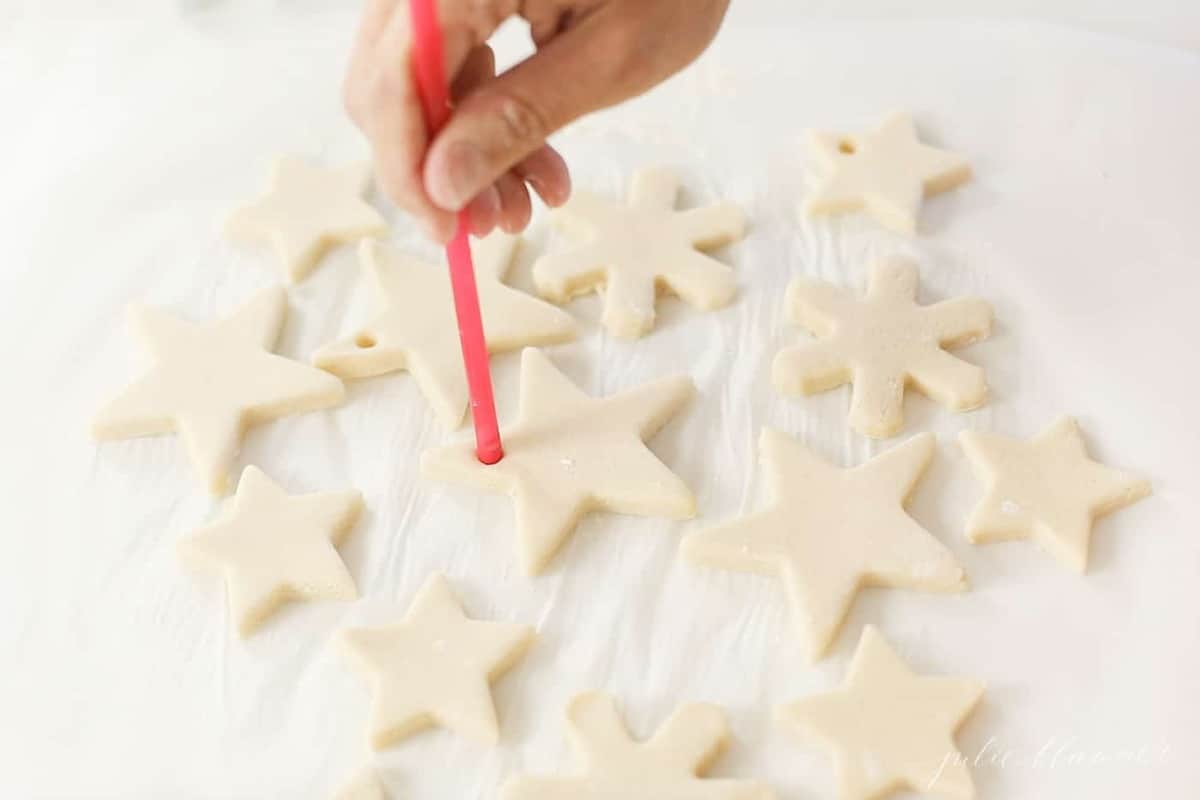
pixel 126 139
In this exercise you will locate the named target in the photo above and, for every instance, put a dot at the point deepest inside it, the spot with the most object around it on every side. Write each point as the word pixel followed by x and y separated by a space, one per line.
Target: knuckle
pixel 520 121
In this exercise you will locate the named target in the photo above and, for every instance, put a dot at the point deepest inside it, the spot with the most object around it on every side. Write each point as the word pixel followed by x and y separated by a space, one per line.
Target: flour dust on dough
pixel 415 327
pixel 209 381
pixel 887 173
pixel 307 211
pixel 826 532
pixel 889 729
pixel 568 453
pixel 273 547
pixel 668 766
pixel 881 344
pixel 1047 489
pixel 435 667
pixel 628 251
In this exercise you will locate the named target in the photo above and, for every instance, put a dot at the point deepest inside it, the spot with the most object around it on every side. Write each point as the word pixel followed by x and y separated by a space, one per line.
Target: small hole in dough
pixel 365 341
pixel 847 146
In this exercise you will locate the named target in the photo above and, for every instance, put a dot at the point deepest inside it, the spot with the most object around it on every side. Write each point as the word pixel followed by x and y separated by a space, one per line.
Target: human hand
pixel 590 54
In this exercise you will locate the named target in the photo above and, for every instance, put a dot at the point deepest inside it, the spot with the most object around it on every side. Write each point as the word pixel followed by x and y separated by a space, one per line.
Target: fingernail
pixel 489 200
pixel 465 170
pixel 484 210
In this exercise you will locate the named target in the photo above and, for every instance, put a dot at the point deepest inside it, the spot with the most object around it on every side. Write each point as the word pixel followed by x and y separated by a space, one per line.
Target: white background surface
pixel 124 142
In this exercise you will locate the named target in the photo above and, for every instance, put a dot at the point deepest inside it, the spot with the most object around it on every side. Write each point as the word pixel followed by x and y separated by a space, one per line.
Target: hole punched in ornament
pixel 364 341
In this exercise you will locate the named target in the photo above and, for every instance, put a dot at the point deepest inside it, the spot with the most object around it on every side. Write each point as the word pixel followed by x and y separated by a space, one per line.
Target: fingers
pixel 592 53
pixel 381 97
pixel 515 206
pixel 397 139
pixel 488 208
pixel 383 101
pixel 549 18
pixel 546 171
pixel 617 50
pixel 484 211
pixel 480 66
pixel 508 205
pixel 371 27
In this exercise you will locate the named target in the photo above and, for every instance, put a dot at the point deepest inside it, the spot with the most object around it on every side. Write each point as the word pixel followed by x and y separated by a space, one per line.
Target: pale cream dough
pixel 363 786
pixel 881 344
pixel 273 547
pixel 307 211
pixel 569 453
pixel 1046 489
pixel 415 327
pixel 886 172
pixel 210 381
pixel 889 729
pixel 630 250
pixel 668 766
pixel 826 532
pixel 435 667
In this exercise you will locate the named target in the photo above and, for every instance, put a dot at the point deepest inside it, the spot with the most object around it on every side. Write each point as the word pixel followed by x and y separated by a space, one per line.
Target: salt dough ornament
pixel 569 453
pixel 826 532
pixel 881 344
pixel 890 729
pixel 668 766
pixel 1046 489
pixel 211 380
pixel 416 328
pixel 307 211
pixel 887 173
pixel 435 667
pixel 274 547
pixel 363 786
pixel 629 251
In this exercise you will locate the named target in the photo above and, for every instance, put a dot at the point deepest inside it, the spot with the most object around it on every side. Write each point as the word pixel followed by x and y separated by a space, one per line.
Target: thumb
pixel 597 62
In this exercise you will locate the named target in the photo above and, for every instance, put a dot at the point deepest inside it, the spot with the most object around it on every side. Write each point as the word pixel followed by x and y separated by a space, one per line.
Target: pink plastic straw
pixel 429 68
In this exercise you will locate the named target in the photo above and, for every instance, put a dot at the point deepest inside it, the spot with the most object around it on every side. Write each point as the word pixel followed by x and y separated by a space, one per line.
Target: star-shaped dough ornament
pixel 881 344
pixel 826 532
pixel 628 252
pixel 273 547
pixel 890 730
pixel 886 173
pixel 415 327
pixel 435 667
pixel 569 453
pixel 210 381
pixel 1047 489
pixel 668 766
pixel 307 211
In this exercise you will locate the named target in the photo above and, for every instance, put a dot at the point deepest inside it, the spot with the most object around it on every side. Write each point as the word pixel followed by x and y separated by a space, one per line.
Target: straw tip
pixel 489 455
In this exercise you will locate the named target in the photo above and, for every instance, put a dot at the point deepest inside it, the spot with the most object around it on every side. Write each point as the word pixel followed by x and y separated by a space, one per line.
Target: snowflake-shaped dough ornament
pixel 616 767
pixel 881 344
pixel 630 251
